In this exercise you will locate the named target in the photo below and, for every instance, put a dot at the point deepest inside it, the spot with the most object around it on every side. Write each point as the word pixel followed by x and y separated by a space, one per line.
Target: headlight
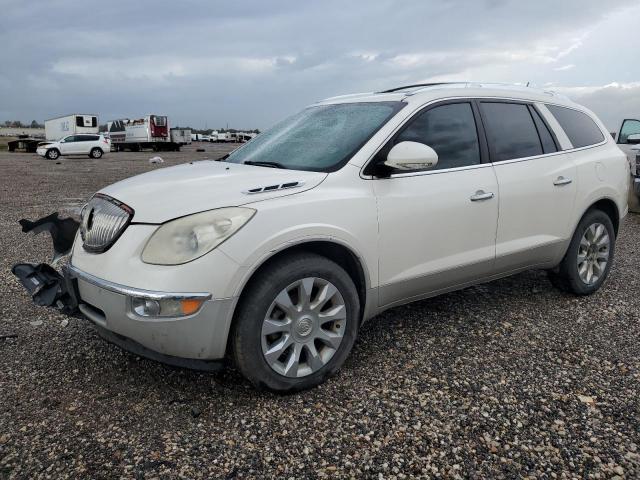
pixel 187 238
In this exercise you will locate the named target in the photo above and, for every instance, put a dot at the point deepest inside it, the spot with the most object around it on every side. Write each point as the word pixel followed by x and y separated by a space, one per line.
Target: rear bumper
pixel 181 341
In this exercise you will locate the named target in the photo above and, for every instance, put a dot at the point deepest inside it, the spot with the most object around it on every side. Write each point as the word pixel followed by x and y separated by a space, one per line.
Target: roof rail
pixel 420 87
pixel 416 85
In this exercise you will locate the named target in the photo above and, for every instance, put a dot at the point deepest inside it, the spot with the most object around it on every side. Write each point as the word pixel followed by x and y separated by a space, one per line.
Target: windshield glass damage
pixel 321 138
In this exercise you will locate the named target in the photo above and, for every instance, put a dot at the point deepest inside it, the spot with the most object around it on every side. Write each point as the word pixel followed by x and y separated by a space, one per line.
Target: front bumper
pixel 181 341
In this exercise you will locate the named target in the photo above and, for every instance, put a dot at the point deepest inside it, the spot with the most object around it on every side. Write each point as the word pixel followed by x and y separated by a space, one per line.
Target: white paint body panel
pixel 428 224
pixel 533 211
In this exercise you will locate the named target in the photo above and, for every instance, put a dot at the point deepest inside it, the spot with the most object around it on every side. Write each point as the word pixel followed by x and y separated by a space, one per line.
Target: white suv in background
pixel 628 139
pixel 274 255
pixel 93 145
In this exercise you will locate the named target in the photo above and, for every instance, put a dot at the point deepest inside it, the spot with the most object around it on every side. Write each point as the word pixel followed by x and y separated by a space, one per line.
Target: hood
pixel 172 192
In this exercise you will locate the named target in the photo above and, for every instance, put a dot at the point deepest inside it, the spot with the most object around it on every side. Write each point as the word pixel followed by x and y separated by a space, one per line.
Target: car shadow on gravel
pixel 450 315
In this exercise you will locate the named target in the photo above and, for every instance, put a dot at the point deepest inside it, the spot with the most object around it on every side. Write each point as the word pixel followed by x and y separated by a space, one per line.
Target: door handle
pixel 562 181
pixel 481 195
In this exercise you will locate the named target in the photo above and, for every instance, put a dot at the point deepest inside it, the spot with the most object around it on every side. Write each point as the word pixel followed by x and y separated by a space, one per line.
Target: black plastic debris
pixel 62 230
pixel 47 287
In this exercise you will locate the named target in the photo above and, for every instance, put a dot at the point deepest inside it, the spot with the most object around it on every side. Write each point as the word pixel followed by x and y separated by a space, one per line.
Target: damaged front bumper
pixel 190 341
pixel 47 287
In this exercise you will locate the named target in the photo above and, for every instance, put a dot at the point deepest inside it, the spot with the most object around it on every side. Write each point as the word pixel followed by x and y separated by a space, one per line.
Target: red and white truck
pixel 148 132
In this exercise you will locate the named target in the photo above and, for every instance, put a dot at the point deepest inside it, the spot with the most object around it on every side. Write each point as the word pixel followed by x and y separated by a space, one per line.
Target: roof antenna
pixel 528 83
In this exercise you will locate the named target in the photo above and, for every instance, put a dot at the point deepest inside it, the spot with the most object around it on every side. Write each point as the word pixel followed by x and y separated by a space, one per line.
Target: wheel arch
pixel 608 206
pixel 336 251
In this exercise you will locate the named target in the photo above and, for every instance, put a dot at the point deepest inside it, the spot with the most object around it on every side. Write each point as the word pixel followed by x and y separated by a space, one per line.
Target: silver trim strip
pixel 133 292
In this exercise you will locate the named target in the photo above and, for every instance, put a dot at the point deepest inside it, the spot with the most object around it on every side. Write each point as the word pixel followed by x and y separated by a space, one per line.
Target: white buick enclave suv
pixel 274 255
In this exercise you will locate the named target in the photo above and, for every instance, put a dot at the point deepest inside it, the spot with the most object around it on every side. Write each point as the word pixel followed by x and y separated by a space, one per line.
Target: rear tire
pixel 52 154
pixel 312 335
pixel 95 153
pixel 588 259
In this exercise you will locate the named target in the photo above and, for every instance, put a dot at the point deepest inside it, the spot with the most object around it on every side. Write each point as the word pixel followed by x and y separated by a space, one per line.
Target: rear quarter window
pixel 579 127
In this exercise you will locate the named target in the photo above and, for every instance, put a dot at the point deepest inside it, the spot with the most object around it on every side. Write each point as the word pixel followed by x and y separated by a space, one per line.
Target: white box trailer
pixel 181 136
pixel 56 128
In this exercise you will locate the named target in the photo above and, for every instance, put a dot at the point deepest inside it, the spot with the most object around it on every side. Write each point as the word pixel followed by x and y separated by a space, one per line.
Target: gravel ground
pixel 509 379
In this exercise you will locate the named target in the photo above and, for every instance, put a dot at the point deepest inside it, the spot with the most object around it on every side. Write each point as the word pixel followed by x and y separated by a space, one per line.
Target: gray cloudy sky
pixel 249 63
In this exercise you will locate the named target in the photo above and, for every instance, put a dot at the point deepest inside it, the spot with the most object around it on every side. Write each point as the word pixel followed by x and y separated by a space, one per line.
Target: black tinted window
pixel 581 130
pixel 450 130
pixel 511 131
pixel 548 144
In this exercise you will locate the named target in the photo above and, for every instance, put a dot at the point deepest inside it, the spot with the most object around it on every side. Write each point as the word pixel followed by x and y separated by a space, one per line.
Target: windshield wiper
pixel 265 164
pixel 223 158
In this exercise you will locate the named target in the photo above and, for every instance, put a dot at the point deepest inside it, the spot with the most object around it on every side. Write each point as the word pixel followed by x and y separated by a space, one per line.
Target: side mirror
pixel 634 138
pixel 411 156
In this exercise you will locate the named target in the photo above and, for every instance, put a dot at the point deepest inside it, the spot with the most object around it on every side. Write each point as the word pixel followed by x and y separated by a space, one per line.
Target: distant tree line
pixel 19 124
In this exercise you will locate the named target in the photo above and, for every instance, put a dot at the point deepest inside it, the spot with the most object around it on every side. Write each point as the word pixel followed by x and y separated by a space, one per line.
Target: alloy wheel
pixel 304 327
pixel 593 253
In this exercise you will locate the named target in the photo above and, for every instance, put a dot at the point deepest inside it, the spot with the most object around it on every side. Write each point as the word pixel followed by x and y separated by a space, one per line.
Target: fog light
pixel 166 307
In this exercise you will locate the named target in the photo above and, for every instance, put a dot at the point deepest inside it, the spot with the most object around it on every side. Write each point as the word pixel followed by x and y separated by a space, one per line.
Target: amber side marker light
pixel 190 306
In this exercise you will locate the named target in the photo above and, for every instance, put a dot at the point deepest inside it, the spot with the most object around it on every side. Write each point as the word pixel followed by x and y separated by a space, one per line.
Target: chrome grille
pixel 103 221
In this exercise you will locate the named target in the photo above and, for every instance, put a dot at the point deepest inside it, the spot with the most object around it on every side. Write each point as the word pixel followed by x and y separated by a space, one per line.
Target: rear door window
pixel 450 130
pixel 629 127
pixel 511 131
pixel 579 127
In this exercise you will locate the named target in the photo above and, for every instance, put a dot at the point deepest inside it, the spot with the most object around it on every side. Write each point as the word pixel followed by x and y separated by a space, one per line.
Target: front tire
pixel 95 153
pixel 296 323
pixel 588 260
pixel 53 154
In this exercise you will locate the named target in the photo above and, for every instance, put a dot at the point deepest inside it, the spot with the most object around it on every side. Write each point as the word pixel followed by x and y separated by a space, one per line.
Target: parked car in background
pixel 275 255
pixel 81 144
pixel 628 139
